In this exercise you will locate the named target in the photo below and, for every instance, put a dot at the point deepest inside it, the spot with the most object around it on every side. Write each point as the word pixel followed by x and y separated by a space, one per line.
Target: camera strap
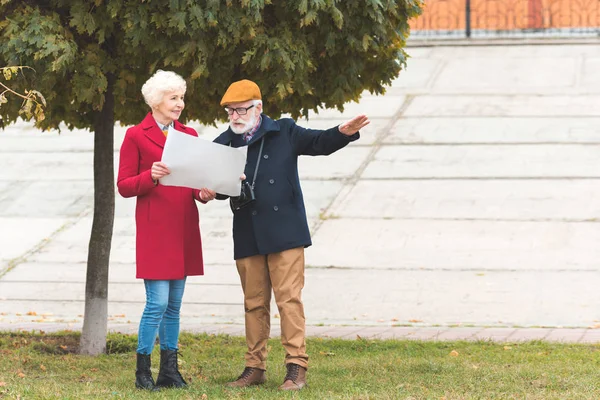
pixel 262 143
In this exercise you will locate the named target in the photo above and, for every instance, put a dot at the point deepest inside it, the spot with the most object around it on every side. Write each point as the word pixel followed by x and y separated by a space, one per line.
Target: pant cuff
pixel 302 363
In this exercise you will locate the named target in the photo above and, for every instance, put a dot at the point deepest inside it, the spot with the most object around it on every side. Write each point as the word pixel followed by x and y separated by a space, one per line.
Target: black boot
pixel 169 375
pixel 143 375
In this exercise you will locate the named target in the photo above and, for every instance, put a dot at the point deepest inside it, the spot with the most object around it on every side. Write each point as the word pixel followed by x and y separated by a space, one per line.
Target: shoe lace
pixel 174 364
pixel 246 374
pixel 292 372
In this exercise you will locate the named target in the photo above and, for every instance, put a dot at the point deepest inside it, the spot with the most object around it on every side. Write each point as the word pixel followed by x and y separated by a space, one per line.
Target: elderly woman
pixel 168 245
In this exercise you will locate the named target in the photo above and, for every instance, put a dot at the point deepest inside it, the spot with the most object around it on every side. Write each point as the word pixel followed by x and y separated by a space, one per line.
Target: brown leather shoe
pixel 295 379
pixel 250 376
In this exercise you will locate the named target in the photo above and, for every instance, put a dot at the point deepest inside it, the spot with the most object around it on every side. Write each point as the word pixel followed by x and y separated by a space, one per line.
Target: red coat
pixel 168 244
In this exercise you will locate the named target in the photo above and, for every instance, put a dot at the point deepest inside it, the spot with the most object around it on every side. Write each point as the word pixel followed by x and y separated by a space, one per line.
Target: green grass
pixel 46 367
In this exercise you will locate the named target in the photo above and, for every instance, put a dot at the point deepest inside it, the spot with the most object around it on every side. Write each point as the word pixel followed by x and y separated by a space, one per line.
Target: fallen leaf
pixel 395 319
pixel 2 383
pixel 31 313
pixel 120 316
pixel 204 396
pixel 415 320
pixel 454 353
pixel 94 369
pixel 276 316
pixel 20 374
pixel 62 346
pixel 42 367
pixel 596 326
pixel 507 347
pixel 327 353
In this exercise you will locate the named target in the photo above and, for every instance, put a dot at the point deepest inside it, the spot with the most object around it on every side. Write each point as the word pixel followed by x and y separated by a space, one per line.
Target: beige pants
pixel 284 273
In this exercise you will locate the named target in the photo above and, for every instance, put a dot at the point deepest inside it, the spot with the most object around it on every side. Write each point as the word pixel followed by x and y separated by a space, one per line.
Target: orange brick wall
pixel 509 14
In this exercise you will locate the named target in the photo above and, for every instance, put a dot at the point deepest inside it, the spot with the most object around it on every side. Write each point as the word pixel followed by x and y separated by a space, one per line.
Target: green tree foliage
pixel 92 57
pixel 304 54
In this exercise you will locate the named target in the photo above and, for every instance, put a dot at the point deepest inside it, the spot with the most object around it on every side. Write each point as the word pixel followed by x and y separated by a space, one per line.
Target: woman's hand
pixel 207 194
pixel 159 170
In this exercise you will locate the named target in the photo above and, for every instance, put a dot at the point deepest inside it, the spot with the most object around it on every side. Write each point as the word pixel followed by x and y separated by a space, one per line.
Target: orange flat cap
pixel 241 91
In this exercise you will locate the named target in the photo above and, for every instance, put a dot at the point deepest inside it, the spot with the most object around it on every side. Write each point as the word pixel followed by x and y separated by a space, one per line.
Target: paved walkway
pixel 472 200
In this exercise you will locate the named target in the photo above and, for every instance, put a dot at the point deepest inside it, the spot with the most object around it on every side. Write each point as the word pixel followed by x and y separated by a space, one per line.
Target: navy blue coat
pixel 276 221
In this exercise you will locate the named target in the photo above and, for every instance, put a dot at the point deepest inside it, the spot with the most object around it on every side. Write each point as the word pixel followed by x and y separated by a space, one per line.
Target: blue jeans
pixel 161 315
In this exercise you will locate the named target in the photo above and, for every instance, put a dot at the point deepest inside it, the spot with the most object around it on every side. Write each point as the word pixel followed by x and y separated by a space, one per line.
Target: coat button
pixel 254 212
pixel 266 156
pixel 275 208
pixel 271 181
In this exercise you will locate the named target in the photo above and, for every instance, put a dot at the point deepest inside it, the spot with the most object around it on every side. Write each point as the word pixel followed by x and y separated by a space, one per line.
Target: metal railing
pixel 507 18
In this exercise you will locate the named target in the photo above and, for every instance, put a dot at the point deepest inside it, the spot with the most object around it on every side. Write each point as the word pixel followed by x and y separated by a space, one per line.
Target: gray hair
pixel 160 83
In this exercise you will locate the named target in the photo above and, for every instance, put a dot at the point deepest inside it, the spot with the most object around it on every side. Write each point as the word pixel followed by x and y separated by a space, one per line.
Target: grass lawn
pixel 45 366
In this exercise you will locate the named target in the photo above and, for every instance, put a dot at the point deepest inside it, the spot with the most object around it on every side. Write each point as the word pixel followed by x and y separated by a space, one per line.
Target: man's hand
pixel 349 128
pixel 159 170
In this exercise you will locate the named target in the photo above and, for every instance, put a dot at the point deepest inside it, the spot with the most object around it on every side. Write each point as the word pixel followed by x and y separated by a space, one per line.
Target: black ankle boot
pixel 169 375
pixel 143 375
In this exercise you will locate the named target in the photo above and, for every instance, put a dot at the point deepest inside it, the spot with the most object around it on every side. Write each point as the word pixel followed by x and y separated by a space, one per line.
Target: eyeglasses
pixel 239 111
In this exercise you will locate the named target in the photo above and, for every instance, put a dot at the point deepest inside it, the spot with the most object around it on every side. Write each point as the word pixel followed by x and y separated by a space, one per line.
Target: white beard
pixel 246 128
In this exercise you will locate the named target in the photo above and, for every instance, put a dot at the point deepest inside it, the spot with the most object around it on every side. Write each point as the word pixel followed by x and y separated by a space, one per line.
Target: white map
pixel 198 163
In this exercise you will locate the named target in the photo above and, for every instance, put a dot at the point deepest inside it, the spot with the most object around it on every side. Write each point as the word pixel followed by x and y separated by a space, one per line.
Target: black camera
pixel 246 197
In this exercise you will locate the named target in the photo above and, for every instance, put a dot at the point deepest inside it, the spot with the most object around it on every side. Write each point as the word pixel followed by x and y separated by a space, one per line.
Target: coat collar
pixel 267 125
pixel 153 132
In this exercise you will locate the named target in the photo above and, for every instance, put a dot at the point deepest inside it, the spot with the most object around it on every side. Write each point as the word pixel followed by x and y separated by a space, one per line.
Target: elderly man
pixel 270 230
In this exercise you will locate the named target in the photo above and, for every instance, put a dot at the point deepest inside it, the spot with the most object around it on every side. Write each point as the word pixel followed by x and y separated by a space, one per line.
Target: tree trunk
pixel 93 335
